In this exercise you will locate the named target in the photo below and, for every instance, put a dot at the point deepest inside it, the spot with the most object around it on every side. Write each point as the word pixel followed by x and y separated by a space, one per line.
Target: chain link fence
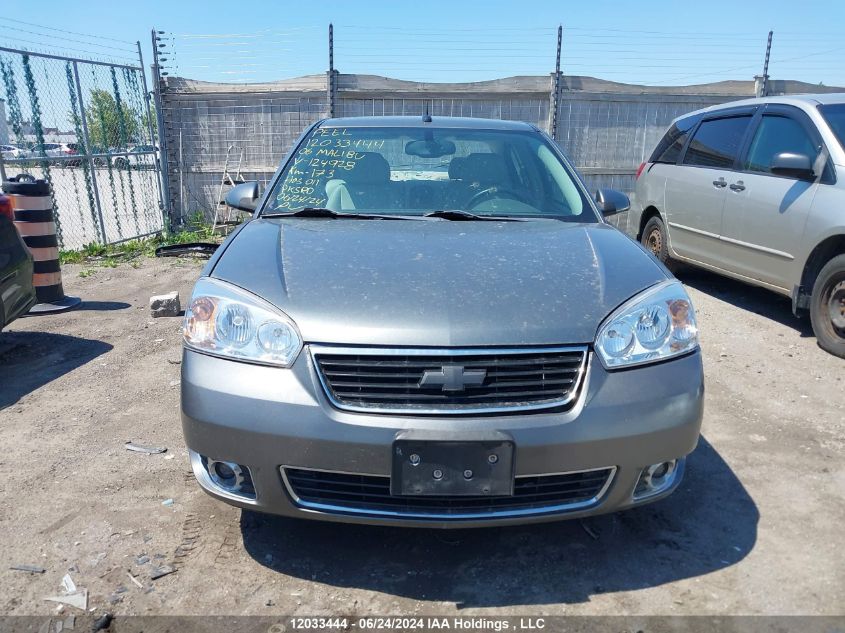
pixel 85 127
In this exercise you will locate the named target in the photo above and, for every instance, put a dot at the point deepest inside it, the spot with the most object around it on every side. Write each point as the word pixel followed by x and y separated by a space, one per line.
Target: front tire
pixel 827 307
pixel 655 238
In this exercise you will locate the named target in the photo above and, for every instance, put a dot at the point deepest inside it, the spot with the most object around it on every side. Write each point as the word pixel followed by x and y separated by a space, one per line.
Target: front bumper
pixel 268 418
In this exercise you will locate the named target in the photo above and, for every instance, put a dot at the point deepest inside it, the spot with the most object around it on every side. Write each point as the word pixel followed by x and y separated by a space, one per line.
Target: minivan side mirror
pixel 610 201
pixel 793 165
pixel 244 196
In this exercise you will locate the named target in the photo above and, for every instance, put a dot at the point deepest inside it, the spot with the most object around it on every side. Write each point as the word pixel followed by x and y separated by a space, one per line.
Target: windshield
pixel 835 117
pixel 415 171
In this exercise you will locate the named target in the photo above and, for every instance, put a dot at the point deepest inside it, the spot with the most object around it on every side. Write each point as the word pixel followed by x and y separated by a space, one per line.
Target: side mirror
pixel 793 165
pixel 244 196
pixel 610 201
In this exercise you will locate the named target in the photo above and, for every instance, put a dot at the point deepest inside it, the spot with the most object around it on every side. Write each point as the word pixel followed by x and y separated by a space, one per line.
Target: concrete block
pixel 166 305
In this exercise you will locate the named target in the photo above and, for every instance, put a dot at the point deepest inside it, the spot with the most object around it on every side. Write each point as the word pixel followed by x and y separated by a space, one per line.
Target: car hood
pixel 438 282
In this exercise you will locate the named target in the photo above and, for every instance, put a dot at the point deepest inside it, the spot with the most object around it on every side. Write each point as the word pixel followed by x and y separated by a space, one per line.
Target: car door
pixel 765 214
pixel 15 272
pixel 696 189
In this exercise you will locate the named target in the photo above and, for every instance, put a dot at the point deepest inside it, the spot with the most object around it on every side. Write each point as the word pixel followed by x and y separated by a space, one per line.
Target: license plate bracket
pixel 465 468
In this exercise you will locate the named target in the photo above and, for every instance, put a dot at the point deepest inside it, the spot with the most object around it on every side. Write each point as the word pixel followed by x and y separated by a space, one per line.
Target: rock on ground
pixel 166 305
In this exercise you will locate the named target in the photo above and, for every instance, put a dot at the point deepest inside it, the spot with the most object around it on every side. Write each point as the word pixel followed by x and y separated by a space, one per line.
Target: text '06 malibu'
pixel 428 322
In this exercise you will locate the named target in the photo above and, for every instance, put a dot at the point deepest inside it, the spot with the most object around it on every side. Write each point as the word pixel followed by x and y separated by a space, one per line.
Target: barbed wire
pixel 46 42
pixel 69 39
pixel 50 28
pixel 637 56
pixel 66 51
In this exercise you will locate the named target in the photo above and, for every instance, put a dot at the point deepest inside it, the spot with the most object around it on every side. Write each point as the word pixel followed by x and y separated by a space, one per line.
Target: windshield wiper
pixel 457 215
pixel 446 214
pixel 321 212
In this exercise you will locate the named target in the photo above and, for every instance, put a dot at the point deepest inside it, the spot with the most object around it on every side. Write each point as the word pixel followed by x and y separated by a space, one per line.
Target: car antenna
pixel 426 116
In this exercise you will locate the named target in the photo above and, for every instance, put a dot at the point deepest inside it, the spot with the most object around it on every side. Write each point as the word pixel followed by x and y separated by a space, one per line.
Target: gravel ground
pixel 756 527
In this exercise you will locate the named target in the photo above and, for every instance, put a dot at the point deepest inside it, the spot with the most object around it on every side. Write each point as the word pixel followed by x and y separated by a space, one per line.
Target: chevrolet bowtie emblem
pixel 453 378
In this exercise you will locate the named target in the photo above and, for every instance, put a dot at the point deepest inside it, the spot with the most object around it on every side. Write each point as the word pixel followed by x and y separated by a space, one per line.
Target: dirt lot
pixel 755 528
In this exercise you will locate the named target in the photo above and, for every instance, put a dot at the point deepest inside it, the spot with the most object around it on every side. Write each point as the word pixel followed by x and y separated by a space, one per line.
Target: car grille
pixel 370 495
pixel 392 381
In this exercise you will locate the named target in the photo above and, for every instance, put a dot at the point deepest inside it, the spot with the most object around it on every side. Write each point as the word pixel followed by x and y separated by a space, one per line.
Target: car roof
pixel 441 122
pixel 802 101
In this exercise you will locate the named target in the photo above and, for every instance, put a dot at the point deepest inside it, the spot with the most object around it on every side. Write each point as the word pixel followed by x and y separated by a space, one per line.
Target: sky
pixel 657 42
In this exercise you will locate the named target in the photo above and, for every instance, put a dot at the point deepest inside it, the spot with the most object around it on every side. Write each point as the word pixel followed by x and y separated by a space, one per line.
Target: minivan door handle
pixel 738 186
pixel 720 183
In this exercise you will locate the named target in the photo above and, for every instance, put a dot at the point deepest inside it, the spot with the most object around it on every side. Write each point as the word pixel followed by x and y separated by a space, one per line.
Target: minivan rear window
pixel 670 146
pixel 716 142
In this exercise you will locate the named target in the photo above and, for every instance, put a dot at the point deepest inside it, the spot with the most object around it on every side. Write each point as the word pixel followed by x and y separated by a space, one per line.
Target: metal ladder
pixel 222 208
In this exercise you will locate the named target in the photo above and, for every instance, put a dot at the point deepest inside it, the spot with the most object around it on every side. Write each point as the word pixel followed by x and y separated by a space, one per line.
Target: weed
pixel 109 256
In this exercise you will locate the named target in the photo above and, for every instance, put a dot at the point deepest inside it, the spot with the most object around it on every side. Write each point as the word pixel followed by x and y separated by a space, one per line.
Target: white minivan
pixel 755 190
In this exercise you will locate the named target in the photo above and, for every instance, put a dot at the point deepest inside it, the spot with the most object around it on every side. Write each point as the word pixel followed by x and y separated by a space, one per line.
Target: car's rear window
pixel 669 148
pixel 417 170
pixel 834 114
pixel 716 142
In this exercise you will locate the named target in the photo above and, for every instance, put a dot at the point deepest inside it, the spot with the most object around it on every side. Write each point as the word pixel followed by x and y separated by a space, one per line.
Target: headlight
pixel 225 321
pixel 658 323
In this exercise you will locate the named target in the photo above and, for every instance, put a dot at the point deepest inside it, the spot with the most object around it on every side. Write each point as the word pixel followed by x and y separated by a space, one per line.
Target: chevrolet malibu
pixel 428 322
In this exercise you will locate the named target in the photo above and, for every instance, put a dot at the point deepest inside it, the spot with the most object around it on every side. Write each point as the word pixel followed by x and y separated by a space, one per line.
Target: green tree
pixel 108 125
pixel 150 120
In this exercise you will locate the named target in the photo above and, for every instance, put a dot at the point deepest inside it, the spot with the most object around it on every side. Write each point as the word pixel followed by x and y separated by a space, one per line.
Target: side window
pixel 716 142
pixel 670 146
pixel 774 135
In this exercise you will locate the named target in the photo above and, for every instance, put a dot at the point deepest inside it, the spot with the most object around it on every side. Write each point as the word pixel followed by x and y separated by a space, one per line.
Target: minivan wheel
pixel 656 240
pixel 827 307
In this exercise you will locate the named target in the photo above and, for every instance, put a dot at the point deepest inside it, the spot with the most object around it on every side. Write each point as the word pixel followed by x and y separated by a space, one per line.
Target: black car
pixel 17 294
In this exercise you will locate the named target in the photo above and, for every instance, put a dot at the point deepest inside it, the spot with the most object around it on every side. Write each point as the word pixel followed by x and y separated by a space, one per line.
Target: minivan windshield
pixel 417 171
pixel 835 116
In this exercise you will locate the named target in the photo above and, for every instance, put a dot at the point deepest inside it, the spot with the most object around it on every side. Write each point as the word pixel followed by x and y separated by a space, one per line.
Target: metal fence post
pixel 556 86
pixel 152 135
pixel 162 137
pixel 331 78
pixel 86 143
pixel 765 90
pixel 181 181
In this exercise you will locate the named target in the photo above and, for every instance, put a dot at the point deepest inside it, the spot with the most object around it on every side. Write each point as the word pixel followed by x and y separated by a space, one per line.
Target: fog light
pixel 227 475
pixel 655 479
pixel 229 480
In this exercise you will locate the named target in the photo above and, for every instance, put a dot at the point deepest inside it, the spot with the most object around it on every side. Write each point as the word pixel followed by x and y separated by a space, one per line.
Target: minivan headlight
pixel 657 324
pixel 224 320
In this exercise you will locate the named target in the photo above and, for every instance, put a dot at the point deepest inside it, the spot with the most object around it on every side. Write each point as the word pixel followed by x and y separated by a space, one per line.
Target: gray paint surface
pixel 431 282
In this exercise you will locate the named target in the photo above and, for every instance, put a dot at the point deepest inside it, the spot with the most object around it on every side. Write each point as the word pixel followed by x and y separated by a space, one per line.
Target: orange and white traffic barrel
pixel 32 207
